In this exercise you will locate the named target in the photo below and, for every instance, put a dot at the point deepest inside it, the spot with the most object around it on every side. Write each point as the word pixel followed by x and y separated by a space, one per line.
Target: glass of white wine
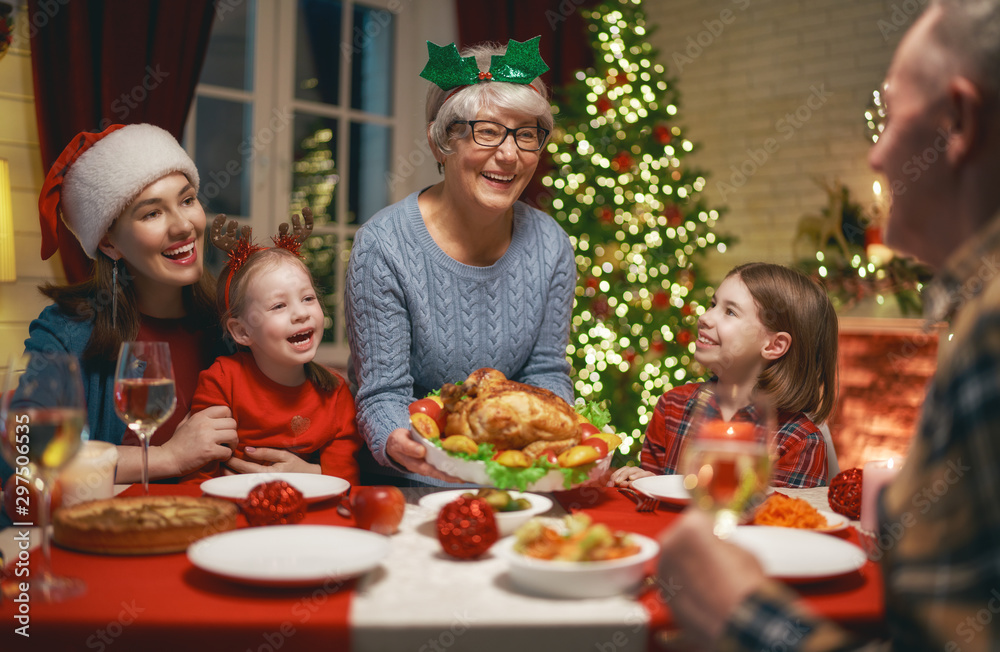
pixel 727 464
pixel 144 392
pixel 43 421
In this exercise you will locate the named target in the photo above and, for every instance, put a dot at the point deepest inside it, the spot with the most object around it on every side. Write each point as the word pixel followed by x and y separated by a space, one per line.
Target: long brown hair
pixel 805 378
pixel 236 288
pixel 93 299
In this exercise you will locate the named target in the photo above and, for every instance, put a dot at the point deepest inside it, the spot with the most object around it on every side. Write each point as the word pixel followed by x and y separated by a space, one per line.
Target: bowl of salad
pixel 577 559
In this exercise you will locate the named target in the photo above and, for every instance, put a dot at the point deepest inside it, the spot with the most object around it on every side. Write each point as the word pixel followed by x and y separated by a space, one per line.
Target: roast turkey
pixel 489 408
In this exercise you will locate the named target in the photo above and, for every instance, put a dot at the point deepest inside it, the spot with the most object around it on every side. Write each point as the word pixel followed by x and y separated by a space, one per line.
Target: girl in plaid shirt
pixel 768 327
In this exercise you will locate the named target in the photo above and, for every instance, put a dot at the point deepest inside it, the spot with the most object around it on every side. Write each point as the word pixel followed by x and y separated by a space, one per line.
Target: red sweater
pixel 316 426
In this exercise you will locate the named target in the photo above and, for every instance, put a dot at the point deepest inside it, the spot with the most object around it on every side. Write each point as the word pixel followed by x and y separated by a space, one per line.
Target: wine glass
pixel 43 421
pixel 144 392
pixel 727 464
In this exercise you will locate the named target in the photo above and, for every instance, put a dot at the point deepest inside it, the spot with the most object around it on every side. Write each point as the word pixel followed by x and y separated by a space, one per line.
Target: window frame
pixel 273 107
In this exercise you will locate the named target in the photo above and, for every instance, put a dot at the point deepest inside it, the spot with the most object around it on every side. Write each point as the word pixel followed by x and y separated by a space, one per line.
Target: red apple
pixel 433 407
pixel 599 444
pixel 379 509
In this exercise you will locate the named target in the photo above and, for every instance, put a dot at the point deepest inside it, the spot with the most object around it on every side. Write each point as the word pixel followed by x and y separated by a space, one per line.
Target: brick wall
pixel 797 73
pixel 884 369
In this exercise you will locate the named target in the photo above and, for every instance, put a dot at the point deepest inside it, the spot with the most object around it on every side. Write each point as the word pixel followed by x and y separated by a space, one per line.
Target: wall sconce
pixel 8 267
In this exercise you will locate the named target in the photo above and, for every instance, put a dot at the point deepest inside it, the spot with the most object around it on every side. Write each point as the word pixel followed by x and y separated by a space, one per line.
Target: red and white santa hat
pixel 99 174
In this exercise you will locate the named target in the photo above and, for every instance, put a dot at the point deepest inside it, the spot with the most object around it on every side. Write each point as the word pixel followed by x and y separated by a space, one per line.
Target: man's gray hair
pixel 970 29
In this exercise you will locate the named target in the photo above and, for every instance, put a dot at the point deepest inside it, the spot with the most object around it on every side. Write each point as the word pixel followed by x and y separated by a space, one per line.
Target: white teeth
pixel 705 340
pixel 300 337
pixel 497 177
pixel 179 250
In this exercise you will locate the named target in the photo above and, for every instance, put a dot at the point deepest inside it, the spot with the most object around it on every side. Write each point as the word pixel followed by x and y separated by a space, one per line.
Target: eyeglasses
pixel 492 134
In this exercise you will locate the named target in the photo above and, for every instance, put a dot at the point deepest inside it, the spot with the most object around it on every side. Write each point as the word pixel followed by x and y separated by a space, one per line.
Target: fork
pixel 643 503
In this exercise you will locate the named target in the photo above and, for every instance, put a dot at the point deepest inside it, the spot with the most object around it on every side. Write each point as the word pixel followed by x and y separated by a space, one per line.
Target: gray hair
pixel 970 30
pixel 443 109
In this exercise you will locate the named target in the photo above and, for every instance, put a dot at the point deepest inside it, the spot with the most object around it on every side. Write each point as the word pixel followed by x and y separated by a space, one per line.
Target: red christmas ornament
pixel 684 338
pixel 619 79
pixel 592 282
pixel 606 215
pixel 661 300
pixel 662 134
pixel 604 104
pixel 274 503
pixel 687 310
pixel 601 307
pixel 844 495
pixel 629 355
pixel 466 527
pixel 673 215
pixel 622 161
pixel 658 346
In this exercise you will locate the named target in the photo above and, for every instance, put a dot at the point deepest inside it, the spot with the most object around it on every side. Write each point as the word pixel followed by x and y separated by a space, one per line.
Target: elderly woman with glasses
pixel 461 275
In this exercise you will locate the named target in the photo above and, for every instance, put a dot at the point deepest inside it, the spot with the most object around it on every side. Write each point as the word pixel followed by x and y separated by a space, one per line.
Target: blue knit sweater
pixel 417 318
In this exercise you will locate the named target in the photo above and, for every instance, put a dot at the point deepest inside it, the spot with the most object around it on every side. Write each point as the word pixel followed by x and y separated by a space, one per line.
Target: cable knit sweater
pixel 417 318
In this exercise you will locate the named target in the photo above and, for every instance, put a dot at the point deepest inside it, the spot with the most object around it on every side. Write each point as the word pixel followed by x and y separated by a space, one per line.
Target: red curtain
pixel 564 46
pixel 102 62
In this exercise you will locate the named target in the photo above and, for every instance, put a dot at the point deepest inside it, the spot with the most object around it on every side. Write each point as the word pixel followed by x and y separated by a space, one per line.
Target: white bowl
pixel 507 522
pixel 577 579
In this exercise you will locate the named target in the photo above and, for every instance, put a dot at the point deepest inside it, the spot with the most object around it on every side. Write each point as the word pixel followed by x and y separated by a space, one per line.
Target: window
pixel 314 103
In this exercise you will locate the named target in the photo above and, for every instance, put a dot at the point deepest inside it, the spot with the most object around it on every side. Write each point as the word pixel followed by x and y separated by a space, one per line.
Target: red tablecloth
pixel 163 602
pixel 136 603
pixel 855 601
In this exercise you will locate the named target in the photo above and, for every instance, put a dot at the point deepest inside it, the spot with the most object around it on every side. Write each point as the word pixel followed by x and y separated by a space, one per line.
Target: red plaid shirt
pixel 801 450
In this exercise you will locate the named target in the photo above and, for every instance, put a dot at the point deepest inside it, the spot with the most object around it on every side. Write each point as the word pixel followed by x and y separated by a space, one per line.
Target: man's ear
pixel 237 330
pixel 966 114
pixel 776 346
pixel 109 249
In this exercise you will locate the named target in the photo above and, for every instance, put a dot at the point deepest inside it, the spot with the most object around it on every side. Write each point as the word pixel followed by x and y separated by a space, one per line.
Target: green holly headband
pixel 519 65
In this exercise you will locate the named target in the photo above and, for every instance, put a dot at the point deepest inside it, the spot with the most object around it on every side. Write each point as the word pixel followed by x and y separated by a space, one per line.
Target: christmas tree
pixel 635 215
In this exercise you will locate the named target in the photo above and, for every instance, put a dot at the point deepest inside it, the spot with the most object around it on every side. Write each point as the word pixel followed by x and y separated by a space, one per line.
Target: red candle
pixel 718 429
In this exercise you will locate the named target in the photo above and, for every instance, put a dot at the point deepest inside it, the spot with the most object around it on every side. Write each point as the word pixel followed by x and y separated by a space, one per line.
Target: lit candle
pixel 877 474
pixel 717 429
pixel 91 474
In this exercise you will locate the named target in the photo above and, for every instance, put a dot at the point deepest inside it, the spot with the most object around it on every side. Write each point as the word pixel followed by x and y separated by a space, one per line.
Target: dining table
pixel 417 598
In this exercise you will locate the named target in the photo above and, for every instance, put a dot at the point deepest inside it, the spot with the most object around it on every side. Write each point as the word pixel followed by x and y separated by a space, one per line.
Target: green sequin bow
pixel 519 65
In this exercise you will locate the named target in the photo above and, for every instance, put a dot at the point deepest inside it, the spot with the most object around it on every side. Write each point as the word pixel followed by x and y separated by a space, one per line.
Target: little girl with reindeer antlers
pixel 279 396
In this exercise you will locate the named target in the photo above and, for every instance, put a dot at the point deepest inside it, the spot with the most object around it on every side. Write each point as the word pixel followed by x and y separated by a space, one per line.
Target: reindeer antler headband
pixel 239 246
pixel 519 65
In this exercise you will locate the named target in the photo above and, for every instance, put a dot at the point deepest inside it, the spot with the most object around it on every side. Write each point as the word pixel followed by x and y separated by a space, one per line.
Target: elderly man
pixel 940 154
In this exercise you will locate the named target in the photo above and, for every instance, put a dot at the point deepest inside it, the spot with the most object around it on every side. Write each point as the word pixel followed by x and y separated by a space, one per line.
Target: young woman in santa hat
pixel 129 195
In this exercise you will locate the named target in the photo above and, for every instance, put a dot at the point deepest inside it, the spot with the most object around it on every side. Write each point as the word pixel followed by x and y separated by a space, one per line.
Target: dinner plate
pixel 795 555
pixel 290 555
pixel 314 487
pixel 507 522
pixel 668 488
pixel 834 522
